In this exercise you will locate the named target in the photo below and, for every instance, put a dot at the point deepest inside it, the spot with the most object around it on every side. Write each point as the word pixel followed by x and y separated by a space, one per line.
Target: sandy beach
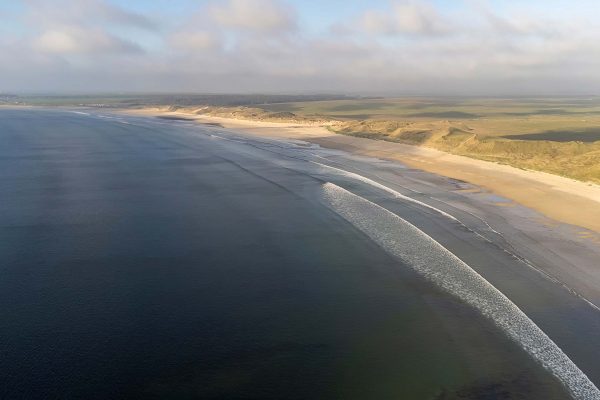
pixel 205 227
pixel 270 199
pixel 561 199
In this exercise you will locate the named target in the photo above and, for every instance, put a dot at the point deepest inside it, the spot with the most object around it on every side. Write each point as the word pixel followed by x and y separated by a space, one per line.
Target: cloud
pixel 418 18
pixel 85 12
pixel 519 23
pixel 117 15
pixel 85 27
pixel 262 16
pixel 74 40
pixel 402 18
pixel 194 41
pixel 265 45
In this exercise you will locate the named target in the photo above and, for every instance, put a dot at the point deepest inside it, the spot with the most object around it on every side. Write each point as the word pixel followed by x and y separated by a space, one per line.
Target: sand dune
pixel 562 199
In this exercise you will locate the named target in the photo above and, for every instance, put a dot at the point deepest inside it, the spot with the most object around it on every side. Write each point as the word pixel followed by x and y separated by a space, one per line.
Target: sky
pixel 393 47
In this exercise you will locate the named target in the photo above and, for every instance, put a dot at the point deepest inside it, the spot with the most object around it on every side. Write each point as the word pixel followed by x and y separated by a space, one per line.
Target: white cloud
pixel 85 12
pixel 75 40
pixel 264 16
pixel 57 42
pixel 194 41
pixel 83 27
pixel 260 45
pixel 402 18
pixel 418 18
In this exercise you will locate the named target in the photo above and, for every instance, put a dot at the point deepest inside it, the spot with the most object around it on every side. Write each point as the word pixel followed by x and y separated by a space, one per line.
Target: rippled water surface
pixel 151 260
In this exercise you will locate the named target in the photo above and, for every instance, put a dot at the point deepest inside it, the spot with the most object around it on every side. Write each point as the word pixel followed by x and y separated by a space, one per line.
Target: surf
pixel 440 266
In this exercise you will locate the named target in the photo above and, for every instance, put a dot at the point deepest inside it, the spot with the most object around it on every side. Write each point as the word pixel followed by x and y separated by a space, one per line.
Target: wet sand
pixel 562 199
pixel 561 255
pixel 145 258
pixel 550 221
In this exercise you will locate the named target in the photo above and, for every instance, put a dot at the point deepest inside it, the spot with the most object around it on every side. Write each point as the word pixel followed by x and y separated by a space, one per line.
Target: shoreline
pixel 562 199
pixel 209 195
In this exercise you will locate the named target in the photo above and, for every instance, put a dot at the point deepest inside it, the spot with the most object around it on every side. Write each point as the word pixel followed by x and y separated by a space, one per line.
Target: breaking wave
pixel 440 266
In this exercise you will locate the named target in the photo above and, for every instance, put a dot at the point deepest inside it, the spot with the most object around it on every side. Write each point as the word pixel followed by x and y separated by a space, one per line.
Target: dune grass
pixel 560 135
pixel 555 135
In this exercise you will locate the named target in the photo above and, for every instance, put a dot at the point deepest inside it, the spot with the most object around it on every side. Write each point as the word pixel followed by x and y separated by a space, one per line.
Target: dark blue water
pixel 149 260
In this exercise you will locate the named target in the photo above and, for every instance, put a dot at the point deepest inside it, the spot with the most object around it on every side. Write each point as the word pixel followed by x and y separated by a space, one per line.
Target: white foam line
pixel 521 259
pixel 439 265
pixel 80 113
pixel 361 170
pixel 227 139
pixel 471 214
pixel 387 189
pixel 453 218
pixel 527 262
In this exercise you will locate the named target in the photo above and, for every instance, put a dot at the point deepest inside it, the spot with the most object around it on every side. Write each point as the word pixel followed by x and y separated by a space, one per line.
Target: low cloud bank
pixel 273 45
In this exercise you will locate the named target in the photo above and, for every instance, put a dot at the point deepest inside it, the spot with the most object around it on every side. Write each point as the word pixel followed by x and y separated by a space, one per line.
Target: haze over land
pixel 394 47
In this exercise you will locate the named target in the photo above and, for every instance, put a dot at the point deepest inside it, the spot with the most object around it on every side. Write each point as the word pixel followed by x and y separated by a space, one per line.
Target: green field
pixel 559 119
pixel 161 99
pixel 557 135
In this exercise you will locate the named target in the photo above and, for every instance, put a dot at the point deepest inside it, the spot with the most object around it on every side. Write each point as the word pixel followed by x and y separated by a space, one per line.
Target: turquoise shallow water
pixel 141 261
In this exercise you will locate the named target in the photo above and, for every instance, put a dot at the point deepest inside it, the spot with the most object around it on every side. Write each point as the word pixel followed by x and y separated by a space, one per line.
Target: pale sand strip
pixel 562 199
